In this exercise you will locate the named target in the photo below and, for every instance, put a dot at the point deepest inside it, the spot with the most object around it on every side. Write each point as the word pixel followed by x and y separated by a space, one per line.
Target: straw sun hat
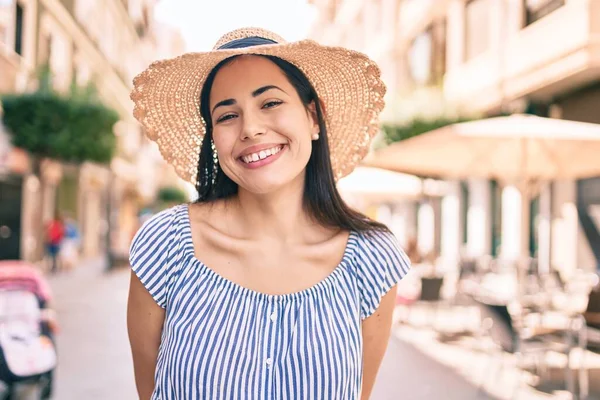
pixel 166 96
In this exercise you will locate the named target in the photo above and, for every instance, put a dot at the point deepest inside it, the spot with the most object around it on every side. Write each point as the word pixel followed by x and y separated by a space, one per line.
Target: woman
pixel 268 286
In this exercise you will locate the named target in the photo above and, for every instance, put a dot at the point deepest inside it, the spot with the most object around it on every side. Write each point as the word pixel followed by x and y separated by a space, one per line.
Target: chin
pixel 265 185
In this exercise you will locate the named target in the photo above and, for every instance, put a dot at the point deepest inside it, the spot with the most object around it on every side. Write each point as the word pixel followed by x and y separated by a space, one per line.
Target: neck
pixel 279 215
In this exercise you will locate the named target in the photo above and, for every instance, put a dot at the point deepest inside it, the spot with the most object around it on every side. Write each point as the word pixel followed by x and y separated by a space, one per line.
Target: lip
pixel 263 162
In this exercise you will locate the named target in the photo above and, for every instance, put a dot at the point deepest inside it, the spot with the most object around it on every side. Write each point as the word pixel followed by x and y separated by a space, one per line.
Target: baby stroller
pixel 27 352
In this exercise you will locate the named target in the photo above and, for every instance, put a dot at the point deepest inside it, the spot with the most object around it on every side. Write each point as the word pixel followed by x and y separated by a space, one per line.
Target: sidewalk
pixel 94 355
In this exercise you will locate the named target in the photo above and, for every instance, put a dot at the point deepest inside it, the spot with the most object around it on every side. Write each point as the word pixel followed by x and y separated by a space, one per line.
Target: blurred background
pixel 487 169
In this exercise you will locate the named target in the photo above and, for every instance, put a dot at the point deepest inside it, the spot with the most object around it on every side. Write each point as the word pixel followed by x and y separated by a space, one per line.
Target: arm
pixel 144 324
pixel 376 333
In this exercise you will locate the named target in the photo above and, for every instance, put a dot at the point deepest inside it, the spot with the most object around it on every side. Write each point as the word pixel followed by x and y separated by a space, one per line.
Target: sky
pixel 202 22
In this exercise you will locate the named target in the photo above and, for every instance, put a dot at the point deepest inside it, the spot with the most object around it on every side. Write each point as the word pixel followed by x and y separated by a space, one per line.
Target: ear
pixel 312 113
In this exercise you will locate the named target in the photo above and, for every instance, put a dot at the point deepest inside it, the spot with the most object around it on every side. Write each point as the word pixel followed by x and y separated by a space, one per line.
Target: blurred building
pixel 106 42
pixel 486 58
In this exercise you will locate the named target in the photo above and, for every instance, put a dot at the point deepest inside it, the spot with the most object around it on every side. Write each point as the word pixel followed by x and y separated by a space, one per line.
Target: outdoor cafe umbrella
pixel 376 184
pixel 520 150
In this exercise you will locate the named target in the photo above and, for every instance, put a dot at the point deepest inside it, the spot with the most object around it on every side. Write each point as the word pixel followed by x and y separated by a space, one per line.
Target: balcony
pixel 557 53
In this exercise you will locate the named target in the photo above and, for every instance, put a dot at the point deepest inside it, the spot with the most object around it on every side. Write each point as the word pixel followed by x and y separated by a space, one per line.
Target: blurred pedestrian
pixel 55 232
pixel 69 252
pixel 269 285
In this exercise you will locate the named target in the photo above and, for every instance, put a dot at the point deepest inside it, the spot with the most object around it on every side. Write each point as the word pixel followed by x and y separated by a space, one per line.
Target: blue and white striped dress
pixel 223 341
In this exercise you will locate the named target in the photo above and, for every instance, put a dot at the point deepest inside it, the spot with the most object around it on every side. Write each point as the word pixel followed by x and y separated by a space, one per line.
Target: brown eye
pixel 225 118
pixel 271 104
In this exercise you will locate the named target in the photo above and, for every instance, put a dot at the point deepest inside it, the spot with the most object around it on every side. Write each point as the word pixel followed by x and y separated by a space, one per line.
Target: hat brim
pixel 166 100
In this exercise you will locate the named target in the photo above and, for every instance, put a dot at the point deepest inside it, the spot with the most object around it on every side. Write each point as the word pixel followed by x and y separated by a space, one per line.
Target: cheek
pixel 296 127
pixel 223 144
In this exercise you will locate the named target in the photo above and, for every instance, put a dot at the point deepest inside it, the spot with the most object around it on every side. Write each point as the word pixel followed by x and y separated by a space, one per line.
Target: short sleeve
pixel 149 254
pixel 381 264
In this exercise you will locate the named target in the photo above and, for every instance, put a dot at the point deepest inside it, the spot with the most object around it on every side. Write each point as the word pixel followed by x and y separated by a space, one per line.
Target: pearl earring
pixel 315 136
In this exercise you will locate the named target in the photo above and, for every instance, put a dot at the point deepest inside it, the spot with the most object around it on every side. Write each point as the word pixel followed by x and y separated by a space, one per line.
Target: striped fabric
pixel 223 341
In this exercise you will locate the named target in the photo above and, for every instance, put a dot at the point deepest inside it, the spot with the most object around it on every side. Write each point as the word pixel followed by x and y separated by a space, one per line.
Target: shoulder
pixel 154 254
pixel 378 253
pixel 380 264
pixel 159 227
pixel 378 243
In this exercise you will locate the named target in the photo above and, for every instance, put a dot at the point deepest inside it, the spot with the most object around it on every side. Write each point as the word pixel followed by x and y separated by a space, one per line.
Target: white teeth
pixel 261 155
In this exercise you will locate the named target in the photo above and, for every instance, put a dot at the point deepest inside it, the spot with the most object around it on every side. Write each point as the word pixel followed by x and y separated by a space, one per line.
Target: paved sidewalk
pixel 94 355
pixel 95 360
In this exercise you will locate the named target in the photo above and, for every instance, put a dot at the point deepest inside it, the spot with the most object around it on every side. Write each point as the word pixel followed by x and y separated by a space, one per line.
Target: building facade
pixel 105 43
pixel 487 58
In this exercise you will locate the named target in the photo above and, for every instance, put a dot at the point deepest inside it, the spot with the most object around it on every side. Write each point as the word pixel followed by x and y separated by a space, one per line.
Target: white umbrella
pixel 383 185
pixel 521 150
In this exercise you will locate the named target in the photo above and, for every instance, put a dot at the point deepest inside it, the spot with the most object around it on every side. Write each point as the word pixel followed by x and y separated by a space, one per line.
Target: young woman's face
pixel 261 129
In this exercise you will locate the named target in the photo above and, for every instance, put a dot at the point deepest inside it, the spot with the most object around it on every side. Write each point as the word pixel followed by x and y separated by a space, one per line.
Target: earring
pixel 315 136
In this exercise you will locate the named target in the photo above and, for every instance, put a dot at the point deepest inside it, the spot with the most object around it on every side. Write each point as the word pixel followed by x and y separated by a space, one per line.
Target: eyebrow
pixel 255 93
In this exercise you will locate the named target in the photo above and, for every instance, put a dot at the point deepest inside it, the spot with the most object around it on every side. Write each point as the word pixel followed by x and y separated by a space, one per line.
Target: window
pixel 19 29
pixel 427 55
pixel 538 9
pixel 478 20
pixel 86 14
pixel 438 62
pixel 419 58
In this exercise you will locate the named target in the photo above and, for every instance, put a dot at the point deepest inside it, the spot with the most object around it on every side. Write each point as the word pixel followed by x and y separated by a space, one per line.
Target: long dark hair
pixel 321 198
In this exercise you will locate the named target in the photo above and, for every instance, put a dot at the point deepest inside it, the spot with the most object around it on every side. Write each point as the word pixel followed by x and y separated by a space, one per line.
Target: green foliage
pixel 35 121
pixel 417 126
pixel 71 129
pixel 90 135
pixel 171 194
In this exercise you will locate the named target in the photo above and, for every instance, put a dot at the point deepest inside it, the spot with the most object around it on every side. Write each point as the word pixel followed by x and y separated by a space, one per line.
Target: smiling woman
pixel 269 286
pixel 264 110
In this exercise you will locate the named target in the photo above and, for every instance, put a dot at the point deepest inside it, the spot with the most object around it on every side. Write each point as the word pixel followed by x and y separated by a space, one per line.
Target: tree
pixel 48 125
pixel 417 126
pixel 70 128
pixel 170 195
pixel 419 111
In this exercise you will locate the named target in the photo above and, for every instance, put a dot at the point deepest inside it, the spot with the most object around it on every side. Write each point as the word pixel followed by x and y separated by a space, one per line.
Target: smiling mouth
pixel 261 155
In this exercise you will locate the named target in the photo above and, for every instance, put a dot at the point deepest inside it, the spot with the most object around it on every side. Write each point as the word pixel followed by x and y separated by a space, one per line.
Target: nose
pixel 252 125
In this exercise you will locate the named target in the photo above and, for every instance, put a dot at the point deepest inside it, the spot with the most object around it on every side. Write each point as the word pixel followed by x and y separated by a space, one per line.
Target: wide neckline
pixel 315 288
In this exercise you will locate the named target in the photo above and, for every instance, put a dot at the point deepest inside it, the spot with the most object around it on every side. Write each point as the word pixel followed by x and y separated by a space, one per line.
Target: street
pixel 95 361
